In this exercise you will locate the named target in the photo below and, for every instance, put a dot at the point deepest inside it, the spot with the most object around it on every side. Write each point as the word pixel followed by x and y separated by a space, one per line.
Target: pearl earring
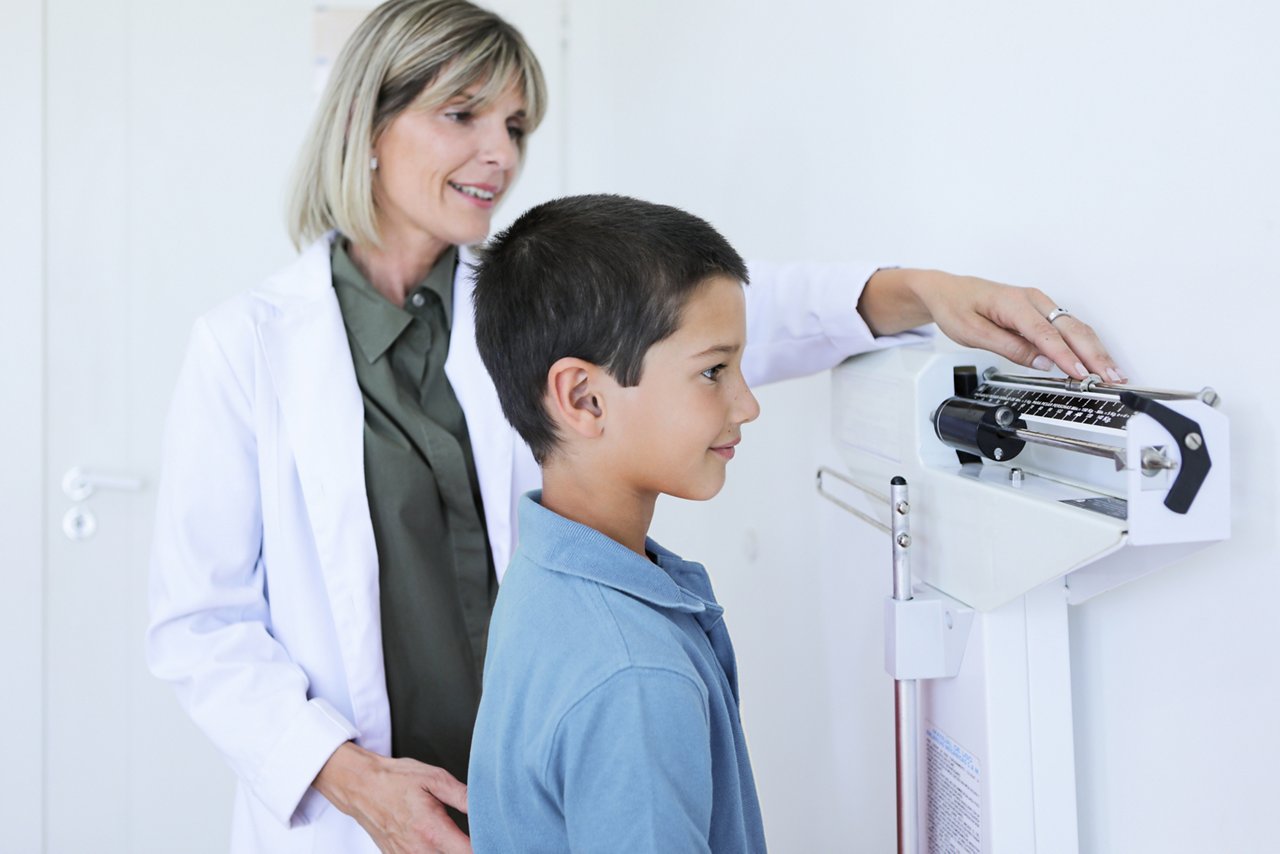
pixel 373 164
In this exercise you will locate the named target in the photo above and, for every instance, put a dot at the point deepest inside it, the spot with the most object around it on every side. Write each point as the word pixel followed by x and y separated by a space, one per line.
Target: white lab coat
pixel 264 588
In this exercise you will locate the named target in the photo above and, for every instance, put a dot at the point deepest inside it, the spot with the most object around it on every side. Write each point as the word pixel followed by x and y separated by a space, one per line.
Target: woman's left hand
pixel 1009 321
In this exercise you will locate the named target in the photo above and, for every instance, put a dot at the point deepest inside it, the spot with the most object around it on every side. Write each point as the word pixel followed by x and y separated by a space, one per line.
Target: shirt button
pixel 417 300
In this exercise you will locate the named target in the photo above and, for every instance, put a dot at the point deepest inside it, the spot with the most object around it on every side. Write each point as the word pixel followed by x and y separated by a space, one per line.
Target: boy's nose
pixel 747 407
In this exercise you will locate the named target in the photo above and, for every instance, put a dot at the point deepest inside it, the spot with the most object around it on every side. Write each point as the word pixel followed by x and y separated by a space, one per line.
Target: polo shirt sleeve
pixel 631 762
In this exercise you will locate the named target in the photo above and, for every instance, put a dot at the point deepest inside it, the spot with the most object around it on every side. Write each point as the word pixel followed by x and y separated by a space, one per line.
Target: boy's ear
pixel 575 399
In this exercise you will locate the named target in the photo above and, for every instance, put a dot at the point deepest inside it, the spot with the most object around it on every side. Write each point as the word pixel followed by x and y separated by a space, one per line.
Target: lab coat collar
pixel 309 277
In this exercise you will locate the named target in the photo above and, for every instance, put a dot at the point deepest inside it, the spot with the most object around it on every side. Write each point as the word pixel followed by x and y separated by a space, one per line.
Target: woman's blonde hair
pixel 405 54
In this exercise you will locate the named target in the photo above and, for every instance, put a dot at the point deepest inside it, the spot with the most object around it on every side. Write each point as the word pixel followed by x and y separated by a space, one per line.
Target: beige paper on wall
pixel 331 27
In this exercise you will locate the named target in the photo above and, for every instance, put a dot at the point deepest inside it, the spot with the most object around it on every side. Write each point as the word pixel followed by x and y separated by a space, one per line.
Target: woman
pixel 338 483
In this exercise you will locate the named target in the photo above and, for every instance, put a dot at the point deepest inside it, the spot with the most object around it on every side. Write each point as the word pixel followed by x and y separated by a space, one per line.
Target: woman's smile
pixel 481 195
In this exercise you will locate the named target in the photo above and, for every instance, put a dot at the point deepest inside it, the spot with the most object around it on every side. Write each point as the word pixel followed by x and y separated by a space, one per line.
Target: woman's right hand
pixel 399 802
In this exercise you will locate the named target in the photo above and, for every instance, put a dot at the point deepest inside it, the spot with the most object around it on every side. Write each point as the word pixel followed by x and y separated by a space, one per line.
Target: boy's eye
pixel 713 374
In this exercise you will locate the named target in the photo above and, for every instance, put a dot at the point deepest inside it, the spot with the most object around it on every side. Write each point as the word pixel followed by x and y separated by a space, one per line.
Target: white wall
pixel 1120 155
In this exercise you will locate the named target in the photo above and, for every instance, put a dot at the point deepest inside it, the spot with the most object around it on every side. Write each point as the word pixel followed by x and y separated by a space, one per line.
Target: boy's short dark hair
pixel 600 278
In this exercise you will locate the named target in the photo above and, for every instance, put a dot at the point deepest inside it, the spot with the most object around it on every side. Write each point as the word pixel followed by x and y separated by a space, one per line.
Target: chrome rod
pixel 1094 384
pixel 1096 449
pixel 905 701
pixel 865 517
pixel 904 690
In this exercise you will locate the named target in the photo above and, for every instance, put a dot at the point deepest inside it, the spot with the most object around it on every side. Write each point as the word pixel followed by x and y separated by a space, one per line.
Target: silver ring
pixel 1055 314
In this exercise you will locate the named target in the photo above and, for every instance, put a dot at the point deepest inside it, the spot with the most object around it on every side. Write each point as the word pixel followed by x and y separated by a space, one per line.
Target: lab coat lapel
pixel 493 442
pixel 307 352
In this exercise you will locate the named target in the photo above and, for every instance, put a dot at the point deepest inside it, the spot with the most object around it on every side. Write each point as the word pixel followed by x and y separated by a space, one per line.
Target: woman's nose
pixel 499 148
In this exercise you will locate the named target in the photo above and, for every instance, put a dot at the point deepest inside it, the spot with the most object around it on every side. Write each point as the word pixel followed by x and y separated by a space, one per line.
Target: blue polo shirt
pixel 609 716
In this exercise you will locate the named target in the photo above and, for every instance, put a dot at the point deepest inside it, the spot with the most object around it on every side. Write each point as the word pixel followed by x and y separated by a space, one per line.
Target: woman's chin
pixel 476 233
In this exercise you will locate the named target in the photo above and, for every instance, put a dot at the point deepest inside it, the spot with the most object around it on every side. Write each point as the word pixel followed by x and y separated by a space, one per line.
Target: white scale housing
pixel 996 559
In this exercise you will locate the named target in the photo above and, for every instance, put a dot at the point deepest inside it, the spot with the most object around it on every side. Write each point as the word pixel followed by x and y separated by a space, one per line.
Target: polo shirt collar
pixel 562 545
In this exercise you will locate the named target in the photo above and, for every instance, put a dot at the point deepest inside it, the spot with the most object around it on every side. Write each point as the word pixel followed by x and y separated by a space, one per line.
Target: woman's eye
pixel 517 133
pixel 460 116
pixel 713 374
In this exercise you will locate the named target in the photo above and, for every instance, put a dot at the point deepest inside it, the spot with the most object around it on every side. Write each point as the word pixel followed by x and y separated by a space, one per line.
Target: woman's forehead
pixel 490 91
pixel 480 92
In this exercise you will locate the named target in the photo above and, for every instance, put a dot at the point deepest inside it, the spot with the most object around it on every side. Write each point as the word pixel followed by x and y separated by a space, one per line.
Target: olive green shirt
pixel 435 570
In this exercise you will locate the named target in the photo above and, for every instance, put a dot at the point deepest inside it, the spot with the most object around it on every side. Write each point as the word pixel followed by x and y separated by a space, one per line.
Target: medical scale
pixel 1009 498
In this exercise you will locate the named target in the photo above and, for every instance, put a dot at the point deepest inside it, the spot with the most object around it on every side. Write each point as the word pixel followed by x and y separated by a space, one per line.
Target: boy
pixel 614 330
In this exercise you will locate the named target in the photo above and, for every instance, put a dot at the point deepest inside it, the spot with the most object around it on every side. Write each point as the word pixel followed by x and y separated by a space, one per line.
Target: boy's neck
pixel 620 513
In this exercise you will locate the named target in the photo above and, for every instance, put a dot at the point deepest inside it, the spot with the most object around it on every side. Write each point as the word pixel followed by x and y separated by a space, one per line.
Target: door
pixel 169 134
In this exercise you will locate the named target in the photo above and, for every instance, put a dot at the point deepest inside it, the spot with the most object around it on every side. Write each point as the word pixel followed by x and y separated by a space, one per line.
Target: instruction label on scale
pixel 954 806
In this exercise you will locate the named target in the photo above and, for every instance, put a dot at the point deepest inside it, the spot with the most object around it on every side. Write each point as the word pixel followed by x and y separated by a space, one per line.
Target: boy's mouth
pixel 726 450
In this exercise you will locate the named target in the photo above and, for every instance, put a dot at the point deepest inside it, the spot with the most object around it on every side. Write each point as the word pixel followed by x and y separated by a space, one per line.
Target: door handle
pixel 79 483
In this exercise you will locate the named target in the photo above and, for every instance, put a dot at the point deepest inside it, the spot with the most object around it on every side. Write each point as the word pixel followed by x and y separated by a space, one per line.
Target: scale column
pixel 904 690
